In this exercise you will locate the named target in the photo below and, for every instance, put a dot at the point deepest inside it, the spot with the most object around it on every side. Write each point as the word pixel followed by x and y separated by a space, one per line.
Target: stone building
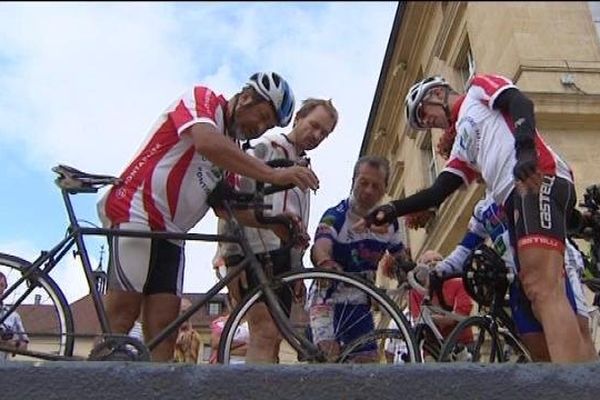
pixel 551 50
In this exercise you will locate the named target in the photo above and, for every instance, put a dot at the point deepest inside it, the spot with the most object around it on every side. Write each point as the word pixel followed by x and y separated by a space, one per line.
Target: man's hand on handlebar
pixel 282 232
pixel 299 176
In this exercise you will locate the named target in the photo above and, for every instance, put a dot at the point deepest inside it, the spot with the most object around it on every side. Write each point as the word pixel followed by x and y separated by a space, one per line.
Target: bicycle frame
pixel 75 237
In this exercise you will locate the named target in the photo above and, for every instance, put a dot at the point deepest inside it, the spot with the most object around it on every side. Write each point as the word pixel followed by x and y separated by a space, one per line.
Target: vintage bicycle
pixel 30 285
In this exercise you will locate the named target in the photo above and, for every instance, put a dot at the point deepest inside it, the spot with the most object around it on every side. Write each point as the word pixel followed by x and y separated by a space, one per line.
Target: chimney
pixel 37 299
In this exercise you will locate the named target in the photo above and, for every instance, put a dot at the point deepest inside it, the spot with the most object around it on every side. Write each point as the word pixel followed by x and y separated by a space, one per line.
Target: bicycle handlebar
pixel 255 200
pixel 433 287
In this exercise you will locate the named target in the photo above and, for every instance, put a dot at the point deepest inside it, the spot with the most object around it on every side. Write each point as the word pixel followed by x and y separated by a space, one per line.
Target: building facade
pixel 551 50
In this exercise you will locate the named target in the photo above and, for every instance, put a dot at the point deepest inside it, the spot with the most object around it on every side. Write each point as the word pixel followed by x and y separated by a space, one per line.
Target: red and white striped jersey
pixel 272 146
pixel 167 183
pixel 485 142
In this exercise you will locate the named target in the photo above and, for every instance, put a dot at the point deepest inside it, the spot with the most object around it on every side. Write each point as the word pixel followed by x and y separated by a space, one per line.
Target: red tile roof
pixel 40 319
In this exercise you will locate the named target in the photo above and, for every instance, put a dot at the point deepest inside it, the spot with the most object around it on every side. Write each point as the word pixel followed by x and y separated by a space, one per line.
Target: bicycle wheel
pixel 474 340
pixel 390 344
pixel 357 307
pixel 513 350
pixel 42 307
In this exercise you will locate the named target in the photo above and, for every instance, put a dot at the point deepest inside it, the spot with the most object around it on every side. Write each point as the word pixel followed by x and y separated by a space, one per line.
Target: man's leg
pixel 122 309
pixel 536 344
pixel 542 277
pixel 584 328
pixel 263 345
pixel 264 336
pixel 159 311
pixel 126 274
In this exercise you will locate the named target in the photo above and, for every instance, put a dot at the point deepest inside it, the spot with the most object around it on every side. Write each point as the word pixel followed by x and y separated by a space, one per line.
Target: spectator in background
pixel 12 332
pixel 187 345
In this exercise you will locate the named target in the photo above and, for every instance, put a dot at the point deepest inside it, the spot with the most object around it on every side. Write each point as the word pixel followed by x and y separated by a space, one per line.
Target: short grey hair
pixel 375 162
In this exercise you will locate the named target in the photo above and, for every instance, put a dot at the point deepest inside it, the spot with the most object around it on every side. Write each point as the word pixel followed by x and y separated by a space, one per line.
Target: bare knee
pixel 542 276
pixel 159 311
pixel 261 325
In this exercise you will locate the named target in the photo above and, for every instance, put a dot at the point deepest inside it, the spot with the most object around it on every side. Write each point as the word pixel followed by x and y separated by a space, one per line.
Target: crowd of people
pixel 490 137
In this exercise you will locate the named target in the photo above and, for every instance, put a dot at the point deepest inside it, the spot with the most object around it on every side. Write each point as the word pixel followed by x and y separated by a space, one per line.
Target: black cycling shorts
pixel 539 219
pixel 144 265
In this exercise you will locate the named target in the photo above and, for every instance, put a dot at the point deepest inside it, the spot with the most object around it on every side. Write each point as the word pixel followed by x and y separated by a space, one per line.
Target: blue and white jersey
pixel 356 251
pixel 489 220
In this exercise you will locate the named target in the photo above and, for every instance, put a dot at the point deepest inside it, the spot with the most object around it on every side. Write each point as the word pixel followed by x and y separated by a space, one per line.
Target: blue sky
pixel 81 84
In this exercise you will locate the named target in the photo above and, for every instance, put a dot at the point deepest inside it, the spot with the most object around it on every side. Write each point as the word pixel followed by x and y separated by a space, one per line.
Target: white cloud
pixel 81 84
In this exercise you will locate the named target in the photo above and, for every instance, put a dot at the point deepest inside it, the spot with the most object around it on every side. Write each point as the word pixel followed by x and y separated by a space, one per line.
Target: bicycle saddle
pixel 76 181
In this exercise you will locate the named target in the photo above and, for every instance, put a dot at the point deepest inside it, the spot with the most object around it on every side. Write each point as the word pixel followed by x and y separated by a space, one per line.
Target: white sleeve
pixel 20 329
pixel 454 262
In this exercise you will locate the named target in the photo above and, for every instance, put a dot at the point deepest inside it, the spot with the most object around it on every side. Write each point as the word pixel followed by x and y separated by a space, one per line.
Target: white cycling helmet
pixel 415 96
pixel 274 88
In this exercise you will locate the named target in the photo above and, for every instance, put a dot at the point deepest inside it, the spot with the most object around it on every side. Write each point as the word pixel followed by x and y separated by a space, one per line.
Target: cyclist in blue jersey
pixel 489 220
pixel 338 246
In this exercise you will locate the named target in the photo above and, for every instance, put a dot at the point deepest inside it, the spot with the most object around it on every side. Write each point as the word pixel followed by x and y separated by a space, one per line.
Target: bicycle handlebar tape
pixel 280 163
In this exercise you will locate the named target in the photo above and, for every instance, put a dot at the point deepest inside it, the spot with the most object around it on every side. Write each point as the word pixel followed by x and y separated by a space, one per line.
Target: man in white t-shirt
pixel 496 138
pixel 166 186
pixel 314 122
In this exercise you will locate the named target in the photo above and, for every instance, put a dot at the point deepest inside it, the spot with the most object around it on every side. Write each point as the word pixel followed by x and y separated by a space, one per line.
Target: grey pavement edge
pixel 130 380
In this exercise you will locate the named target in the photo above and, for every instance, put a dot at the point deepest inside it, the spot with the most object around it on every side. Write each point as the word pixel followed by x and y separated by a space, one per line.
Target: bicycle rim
pixel 390 344
pixel 44 311
pixel 513 350
pixel 472 340
pixel 349 323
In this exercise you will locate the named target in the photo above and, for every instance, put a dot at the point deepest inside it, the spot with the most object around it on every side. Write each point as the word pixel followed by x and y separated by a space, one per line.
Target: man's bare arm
pixel 223 152
pixel 321 254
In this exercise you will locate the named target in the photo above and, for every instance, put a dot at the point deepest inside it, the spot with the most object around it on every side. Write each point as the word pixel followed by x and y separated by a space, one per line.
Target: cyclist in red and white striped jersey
pixel 497 138
pixel 165 188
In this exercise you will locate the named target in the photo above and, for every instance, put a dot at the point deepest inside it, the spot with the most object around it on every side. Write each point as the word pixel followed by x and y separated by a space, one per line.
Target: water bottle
pixel 321 322
pixel 461 353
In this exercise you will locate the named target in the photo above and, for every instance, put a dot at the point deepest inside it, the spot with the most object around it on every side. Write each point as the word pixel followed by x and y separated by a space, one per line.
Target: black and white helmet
pixel 271 86
pixel 415 96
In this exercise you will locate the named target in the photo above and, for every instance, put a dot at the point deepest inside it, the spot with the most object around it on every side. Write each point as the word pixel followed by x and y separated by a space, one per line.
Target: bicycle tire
pixel 47 317
pixel 389 353
pixel 518 351
pixel 490 345
pixel 378 301
pixel 484 338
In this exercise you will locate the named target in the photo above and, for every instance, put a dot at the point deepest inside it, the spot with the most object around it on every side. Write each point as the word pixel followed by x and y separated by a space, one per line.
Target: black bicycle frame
pixel 75 233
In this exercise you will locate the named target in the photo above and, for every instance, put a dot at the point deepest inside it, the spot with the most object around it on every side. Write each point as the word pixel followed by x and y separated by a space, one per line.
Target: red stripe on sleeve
pixel 206 102
pixel 546 161
pixel 469 173
pixel 490 83
pixel 180 116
